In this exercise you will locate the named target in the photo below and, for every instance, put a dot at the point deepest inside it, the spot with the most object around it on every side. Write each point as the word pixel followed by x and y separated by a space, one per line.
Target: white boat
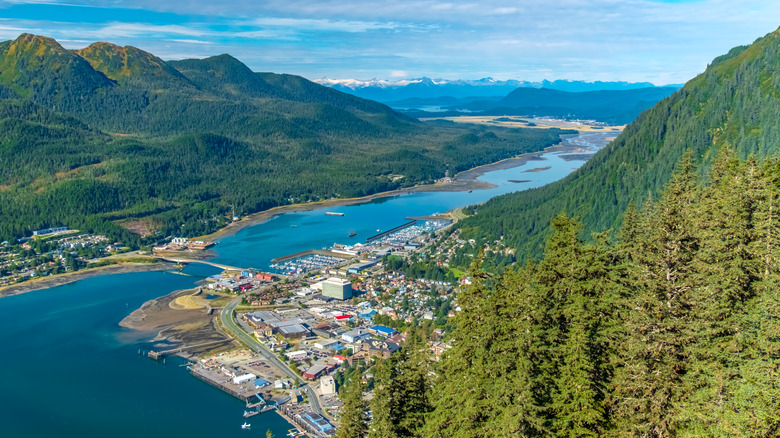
pixel 246 426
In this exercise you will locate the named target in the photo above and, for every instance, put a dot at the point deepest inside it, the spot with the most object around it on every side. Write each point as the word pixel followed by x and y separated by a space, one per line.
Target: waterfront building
pixel 337 288
pixel 244 378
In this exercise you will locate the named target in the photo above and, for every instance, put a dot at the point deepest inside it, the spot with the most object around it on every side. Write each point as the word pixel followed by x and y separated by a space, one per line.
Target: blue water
pixel 68 370
pixel 293 232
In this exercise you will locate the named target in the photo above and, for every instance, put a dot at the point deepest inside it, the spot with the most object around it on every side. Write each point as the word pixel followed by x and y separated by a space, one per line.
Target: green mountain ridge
pixel 107 136
pixel 128 62
pixel 734 103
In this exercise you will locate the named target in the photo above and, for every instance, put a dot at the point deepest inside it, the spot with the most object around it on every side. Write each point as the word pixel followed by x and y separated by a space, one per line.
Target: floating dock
pixel 398 228
pixel 298 255
pixel 333 213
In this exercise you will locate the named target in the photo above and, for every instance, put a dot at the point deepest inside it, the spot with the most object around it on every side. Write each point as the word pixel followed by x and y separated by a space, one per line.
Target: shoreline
pixel 71 277
pixel 462 181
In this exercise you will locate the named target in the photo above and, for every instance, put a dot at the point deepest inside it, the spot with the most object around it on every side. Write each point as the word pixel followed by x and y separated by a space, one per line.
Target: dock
pixel 398 228
pixel 300 254
pixel 195 371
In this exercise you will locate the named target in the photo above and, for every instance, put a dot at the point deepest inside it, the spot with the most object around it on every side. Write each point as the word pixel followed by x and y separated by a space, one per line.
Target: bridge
pixel 183 261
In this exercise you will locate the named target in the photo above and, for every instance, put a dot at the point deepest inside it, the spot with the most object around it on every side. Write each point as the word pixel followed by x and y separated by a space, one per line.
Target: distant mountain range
pixel 733 104
pixel 426 88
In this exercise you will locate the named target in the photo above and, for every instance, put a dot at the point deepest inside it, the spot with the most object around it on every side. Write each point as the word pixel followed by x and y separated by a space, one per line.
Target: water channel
pixel 69 370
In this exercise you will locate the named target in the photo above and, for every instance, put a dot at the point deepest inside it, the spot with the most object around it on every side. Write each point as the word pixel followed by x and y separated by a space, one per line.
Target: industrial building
pixel 244 378
pixel 337 288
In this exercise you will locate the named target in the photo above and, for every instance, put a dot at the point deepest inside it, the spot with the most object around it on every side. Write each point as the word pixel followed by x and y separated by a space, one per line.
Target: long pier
pixel 398 228
pixel 194 372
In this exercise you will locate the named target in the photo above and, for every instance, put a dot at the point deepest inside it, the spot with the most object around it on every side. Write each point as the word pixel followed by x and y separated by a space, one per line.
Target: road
pixel 226 316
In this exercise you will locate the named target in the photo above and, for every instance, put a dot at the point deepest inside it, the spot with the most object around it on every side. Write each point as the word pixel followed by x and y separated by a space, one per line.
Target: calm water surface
pixel 68 370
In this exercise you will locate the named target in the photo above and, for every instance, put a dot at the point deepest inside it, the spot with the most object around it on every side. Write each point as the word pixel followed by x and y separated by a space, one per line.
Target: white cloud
pixel 310 24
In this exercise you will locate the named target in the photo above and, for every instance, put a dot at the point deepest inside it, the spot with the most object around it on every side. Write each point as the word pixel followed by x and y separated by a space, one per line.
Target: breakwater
pixel 391 231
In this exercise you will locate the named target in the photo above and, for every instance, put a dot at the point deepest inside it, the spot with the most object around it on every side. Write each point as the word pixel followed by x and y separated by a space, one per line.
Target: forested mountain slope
pixel 735 103
pixel 670 330
pixel 107 136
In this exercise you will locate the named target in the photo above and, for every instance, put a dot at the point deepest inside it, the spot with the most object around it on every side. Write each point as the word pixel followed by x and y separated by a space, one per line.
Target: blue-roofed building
pixel 261 383
pixel 320 424
pixel 368 315
pixel 381 330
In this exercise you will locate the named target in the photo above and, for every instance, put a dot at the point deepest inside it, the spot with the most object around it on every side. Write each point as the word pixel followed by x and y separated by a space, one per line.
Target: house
pixel 264 277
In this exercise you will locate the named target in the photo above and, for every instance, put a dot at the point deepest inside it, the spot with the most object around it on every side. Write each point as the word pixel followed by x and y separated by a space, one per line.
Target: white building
pixel 327 385
pixel 324 345
pixel 243 378
pixel 297 355
pixel 356 335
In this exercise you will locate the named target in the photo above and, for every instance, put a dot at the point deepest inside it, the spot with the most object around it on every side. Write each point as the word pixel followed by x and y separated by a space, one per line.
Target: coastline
pixel 189 329
pixel 70 277
pixel 461 182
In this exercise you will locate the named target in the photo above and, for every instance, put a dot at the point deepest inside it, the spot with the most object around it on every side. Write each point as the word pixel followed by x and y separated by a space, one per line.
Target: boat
pixel 246 426
pixel 333 213
pixel 352 234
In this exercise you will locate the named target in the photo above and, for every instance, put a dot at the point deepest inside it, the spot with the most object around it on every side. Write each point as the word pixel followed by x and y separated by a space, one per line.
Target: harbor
pixel 82 336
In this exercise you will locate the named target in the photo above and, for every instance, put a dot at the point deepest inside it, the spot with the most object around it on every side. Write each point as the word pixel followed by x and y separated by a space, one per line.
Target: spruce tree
pixel 354 419
pixel 653 360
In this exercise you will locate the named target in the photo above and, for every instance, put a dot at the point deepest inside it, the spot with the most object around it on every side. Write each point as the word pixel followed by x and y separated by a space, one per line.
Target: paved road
pixel 226 316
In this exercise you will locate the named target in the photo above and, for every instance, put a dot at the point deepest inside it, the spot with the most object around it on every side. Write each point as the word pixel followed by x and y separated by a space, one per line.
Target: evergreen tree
pixel 648 383
pixel 354 419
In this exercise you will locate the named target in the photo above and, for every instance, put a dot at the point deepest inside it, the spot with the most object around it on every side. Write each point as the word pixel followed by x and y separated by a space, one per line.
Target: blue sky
pixel 661 41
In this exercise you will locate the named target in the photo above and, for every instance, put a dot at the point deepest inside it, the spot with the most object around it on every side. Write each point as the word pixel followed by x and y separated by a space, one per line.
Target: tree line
pixel 668 328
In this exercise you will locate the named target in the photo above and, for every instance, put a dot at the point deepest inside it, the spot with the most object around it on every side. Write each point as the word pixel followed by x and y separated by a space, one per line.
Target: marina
pixel 82 336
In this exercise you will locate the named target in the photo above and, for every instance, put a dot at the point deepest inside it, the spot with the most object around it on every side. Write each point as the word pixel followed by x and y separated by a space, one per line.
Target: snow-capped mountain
pixel 384 90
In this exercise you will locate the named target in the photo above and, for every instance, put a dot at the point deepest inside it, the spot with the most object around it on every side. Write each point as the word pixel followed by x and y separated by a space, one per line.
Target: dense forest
pixel 108 138
pixel 735 103
pixel 669 328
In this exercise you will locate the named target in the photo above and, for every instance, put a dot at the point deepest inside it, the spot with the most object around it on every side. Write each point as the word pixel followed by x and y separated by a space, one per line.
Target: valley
pixel 194 242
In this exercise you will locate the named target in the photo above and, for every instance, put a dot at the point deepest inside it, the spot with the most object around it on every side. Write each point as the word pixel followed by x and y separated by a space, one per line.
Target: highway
pixel 226 316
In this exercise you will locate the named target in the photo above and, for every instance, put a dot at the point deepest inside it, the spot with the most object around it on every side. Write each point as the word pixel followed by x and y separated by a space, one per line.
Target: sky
pixel 659 41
